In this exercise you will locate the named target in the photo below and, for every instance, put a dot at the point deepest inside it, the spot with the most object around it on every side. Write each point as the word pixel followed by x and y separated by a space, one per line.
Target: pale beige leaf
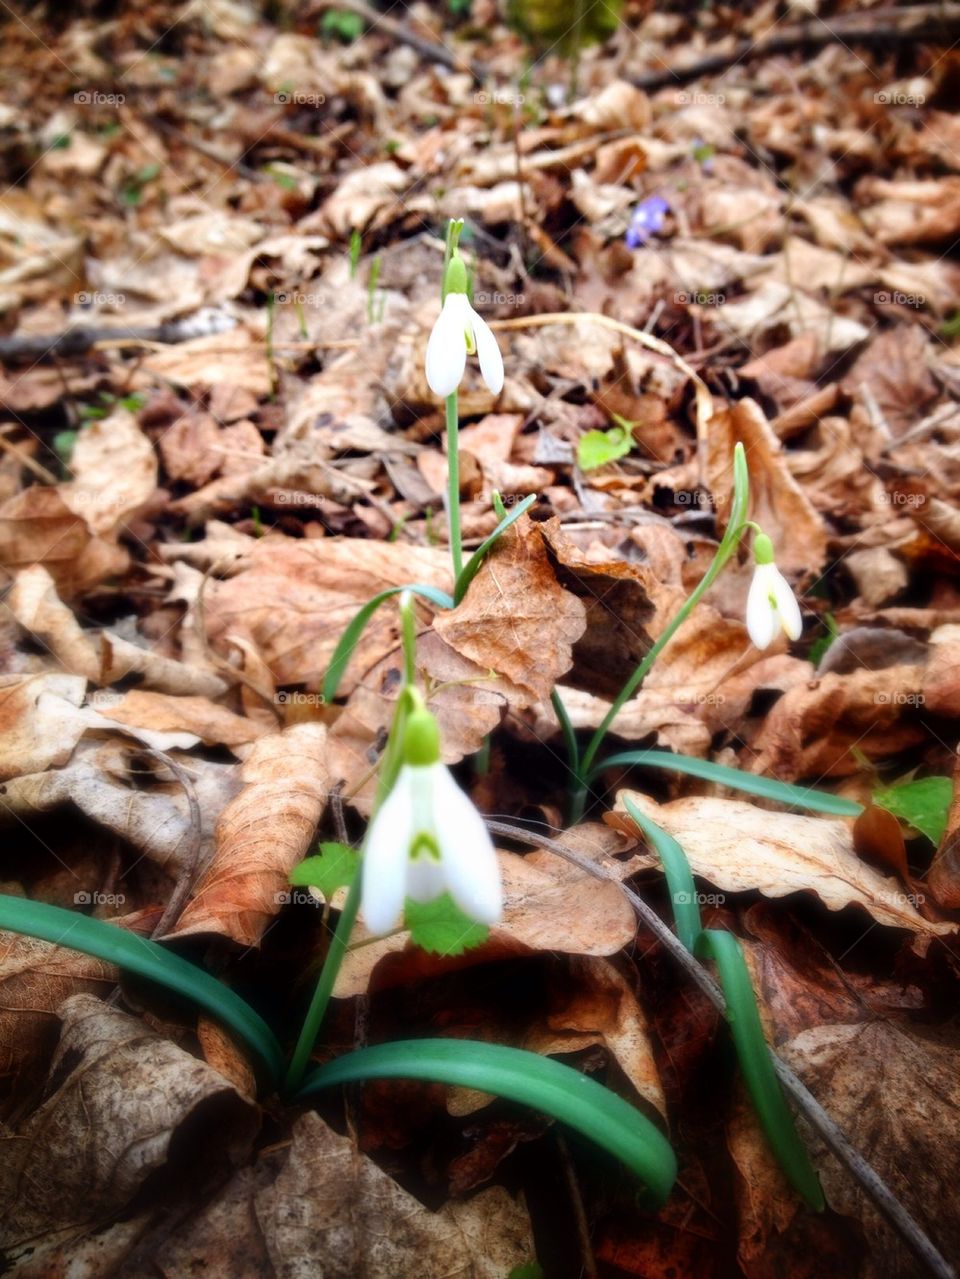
pixel 115 472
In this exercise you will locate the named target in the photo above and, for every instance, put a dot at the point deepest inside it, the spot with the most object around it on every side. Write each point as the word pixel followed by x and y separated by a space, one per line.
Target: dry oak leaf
pixel 812 730
pixel 35 978
pixel 742 848
pixel 37 527
pixel 777 502
pixel 160 712
pixel 333 1212
pixel 123 1093
pixel 517 619
pixel 115 472
pixel 547 906
pixel 893 1090
pixel 261 835
pixel 294 598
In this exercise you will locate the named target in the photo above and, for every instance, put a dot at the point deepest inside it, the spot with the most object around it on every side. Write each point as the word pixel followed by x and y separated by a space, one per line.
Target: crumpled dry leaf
pixel 261 835
pixel 114 1077
pixel 547 906
pixel 894 1092
pixel 35 978
pixel 516 619
pixel 115 472
pixel 37 527
pixel 740 847
pixel 777 503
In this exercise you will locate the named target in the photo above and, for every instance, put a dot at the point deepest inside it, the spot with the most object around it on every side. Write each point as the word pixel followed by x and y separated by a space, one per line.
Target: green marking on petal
pixel 424 845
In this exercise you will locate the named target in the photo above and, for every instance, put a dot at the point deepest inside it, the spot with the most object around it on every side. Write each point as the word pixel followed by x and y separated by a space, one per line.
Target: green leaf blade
pixel 676 867
pixel 751 783
pixel 148 959
pixel 472 566
pixel 545 1085
pixel 598 448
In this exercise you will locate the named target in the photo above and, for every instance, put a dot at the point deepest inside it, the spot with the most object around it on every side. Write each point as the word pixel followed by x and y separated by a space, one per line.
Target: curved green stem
pixel 453 484
pixel 321 996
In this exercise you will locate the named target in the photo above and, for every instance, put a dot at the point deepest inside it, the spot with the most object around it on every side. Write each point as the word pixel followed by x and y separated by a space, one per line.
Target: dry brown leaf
pixel 37 527
pixel 35 978
pixel 114 1077
pixel 777 503
pixel 261 835
pixel 115 472
pixel 547 906
pixel 34 602
pixel 516 619
pixel 160 712
pixel 741 848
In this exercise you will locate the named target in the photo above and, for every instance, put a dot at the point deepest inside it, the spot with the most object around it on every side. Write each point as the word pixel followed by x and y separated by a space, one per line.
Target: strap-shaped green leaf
pixel 539 1082
pixel 768 787
pixel 472 566
pixel 348 640
pixel 753 1054
pixel 148 959
pixel 683 891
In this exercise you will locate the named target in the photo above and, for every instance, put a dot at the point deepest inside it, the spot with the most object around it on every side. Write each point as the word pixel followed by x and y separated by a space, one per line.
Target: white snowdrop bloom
pixel 771 604
pixel 459 332
pixel 427 839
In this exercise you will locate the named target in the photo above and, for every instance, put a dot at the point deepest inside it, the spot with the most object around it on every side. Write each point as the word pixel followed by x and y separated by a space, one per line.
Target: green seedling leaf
pixel 441 928
pixel 532 1270
pixel 147 959
pixel 63 444
pixel 819 648
pixel 597 448
pixel 922 804
pixel 683 891
pixel 348 640
pixel 545 1085
pixel 756 1063
pixel 768 787
pixel 335 866
pixel 341 24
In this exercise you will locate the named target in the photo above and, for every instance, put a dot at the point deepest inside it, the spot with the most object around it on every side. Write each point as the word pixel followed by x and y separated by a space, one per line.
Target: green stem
pixel 408 636
pixel 453 484
pixel 321 996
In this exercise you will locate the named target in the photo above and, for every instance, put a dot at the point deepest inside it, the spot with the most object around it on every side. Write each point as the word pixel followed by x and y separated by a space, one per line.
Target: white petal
pixel 787 606
pixel 447 347
pixel 491 361
pixel 386 857
pixel 761 620
pixel 470 863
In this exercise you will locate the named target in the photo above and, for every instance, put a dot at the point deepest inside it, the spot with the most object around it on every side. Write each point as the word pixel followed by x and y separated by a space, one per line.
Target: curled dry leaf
pixel 547 906
pixel 38 527
pixel 293 600
pixel 34 602
pixel 261 835
pixel 517 619
pixel 115 472
pixel 740 847
pixel 35 978
pixel 114 1078
pixel 777 502
pixel 159 712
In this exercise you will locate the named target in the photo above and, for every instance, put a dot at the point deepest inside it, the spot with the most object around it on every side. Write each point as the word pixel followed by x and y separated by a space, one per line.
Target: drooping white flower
pixel 427 839
pixel 771 604
pixel 459 332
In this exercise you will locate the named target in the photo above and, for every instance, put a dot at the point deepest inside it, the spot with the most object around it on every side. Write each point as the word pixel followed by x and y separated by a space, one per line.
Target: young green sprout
pixel 771 604
pixel 458 332
pixel 427 839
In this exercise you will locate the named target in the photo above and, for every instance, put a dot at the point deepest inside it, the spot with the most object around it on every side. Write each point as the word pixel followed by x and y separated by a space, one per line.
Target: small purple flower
pixel 647 219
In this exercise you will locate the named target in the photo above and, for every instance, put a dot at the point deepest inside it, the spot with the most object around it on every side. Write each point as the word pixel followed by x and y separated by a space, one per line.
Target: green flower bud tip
pixel 421 739
pixel 455 280
pixel 763 549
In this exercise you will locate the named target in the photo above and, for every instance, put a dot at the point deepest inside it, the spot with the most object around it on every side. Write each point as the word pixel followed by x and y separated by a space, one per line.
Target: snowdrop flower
pixel 427 839
pixel 771 604
pixel 646 220
pixel 459 331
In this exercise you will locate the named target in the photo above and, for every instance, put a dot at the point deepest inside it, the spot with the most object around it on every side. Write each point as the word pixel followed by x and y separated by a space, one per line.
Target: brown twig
pixel 401 32
pixel 936 23
pixel 883 1198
